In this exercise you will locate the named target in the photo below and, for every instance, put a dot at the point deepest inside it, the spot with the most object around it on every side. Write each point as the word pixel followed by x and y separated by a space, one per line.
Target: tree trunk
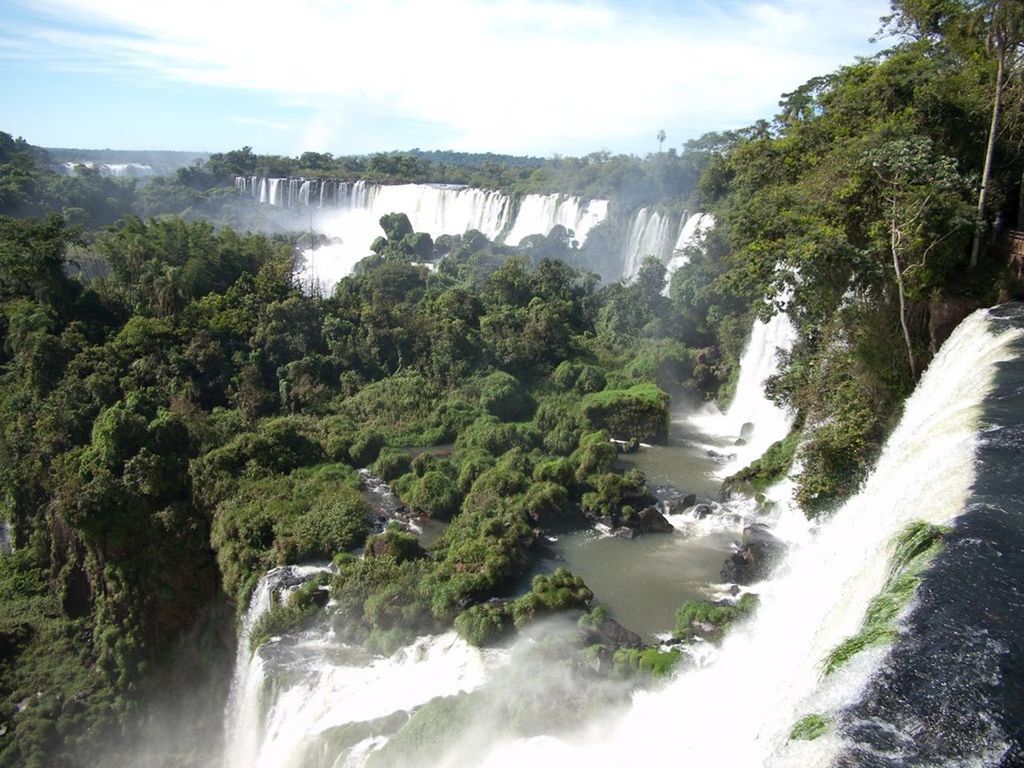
pixel 986 175
pixel 894 244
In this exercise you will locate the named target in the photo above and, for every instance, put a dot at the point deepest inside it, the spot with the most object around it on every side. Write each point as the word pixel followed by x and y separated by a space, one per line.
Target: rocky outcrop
pixel 944 315
pixel 758 554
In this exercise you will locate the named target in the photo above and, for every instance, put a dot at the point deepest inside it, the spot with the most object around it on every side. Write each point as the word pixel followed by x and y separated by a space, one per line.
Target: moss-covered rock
pixel 640 411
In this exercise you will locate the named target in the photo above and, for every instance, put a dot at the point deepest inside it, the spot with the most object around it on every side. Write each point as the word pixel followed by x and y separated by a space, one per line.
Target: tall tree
pixel 1003 23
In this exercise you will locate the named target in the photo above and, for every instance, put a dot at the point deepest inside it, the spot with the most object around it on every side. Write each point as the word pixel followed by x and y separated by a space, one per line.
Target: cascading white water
pixel 649 235
pixel 738 710
pixel 539 214
pixel 117 170
pixel 692 231
pixel 244 716
pixel 750 405
pixel 279 707
pixel 349 214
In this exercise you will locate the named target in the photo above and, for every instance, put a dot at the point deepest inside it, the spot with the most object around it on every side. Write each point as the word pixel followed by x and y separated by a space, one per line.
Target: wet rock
pixel 944 315
pixel 746 431
pixel 321 597
pixel 679 505
pixel 609 632
pixel 758 554
pixel 626 533
pixel 720 457
pixel 701 511
pixel 650 520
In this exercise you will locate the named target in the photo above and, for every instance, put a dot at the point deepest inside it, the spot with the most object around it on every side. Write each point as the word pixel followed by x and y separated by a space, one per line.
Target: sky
pixel 536 77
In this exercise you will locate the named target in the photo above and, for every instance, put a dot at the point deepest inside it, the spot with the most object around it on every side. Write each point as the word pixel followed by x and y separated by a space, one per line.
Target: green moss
pixel 809 728
pixel 702 617
pixel 650 662
pixel 912 550
pixel 772 467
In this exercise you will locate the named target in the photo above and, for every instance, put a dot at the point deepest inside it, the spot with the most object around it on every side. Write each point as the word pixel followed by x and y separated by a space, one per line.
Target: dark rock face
pixel 700 511
pixel 610 633
pixel 758 554
pixel 650 520
pixel 681 504
pixel 944 315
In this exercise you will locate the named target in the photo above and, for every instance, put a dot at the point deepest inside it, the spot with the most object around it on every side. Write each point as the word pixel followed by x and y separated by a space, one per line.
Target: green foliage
pixel 649 662
pixel 365 447
pixel 391 464
pixel 640 411
pixel 309 514
pixel 484 624
pixel 502 396
pixel 435 495
pixel 809 728
pixel 292 615
pixel 772 467
pixel 395 543
pixel 700 617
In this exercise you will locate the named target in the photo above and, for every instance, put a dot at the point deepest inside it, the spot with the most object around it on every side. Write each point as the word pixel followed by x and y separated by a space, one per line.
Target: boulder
pixel 650 520
pixel 626 533
pixel 758 554
pixel 700 511
pixel 679 505
pixel 610 633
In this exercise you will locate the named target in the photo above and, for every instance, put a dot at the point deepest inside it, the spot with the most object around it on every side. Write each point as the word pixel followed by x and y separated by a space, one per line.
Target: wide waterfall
pixel 538 214
pixel 734 706
pixel 349 214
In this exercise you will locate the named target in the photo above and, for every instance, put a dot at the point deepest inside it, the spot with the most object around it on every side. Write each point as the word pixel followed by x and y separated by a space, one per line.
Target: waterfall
pixel 117 170
pixel 287 697
pixel 752 420
pixel 350 216
pixel 740 707
pixel 244 716
pixel 692 231
pixel 734 705
pixel 539 214
pixel 649 235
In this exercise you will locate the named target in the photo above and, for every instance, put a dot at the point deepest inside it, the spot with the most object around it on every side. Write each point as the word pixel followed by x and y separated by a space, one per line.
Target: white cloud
pixel 507 75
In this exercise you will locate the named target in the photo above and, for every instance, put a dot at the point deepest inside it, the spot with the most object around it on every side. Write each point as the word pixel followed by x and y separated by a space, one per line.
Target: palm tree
pixel 661 138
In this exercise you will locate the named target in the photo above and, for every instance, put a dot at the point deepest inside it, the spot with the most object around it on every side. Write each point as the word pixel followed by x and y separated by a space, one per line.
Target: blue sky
pixel 519 76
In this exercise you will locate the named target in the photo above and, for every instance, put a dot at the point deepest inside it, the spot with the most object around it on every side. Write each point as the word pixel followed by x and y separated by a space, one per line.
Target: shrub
pixel 484 624
pixel 434 495
pixel 640 411
pixel 333 524
pixel 502 396
pixel 395 543
pixel 365 448
pixel 391 464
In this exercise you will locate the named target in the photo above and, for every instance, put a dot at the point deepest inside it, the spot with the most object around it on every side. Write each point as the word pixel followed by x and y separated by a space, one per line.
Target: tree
pixel 924 204
pixel 661 138
pixel 1003 21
